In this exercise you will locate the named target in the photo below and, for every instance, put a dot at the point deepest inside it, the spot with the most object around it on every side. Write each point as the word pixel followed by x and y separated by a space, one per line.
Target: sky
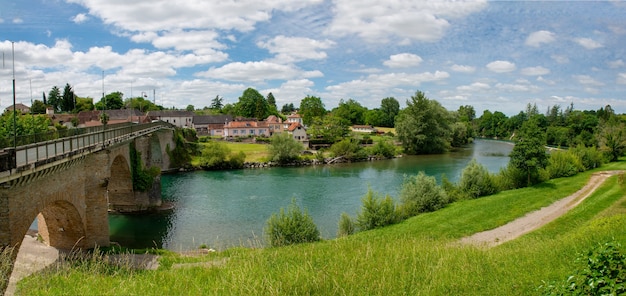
pixel 492 55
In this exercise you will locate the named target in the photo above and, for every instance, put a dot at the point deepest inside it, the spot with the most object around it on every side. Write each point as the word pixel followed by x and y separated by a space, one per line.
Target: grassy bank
pixel 419 256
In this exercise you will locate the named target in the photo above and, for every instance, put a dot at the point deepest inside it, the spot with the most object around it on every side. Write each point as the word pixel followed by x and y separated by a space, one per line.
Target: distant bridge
pixel 69 183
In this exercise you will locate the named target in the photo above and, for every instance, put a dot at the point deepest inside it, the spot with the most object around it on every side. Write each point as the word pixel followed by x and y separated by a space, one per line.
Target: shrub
pixel 6 265
pixel 590 157
pixel 291 227
pixel 476 181
pixel 383 148
pixel 284 148
pixel 346 225
pixel 602 272
pixel 348 148
pixel 376 211
pixel 564 164
pixel 421 194
pixel 217 155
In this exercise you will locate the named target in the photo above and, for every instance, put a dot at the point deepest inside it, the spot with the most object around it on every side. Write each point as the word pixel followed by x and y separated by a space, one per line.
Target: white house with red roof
pixel 246 128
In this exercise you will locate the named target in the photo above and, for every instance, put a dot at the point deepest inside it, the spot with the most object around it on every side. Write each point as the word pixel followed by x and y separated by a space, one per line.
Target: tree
pixel 329 128
pixel 287 108
pixel 351 110
pixel 310 108
pixel 376 211
pixel 38 107
pixel 612 138
pixel 420 194
pixel 375 117
pixel 423 127
pixel 68 101
pixel 252 104
pixel 389 107
pixel 476 181
pixel 54 98
pixel 271 100
pixel 83 104
pixel 529 153
pixel 217 103
pixel 284 148
pixel 112 101
pixel 190 108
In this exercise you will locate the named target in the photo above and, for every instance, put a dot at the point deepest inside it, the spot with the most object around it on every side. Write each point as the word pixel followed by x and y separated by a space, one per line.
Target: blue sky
pixel 498 56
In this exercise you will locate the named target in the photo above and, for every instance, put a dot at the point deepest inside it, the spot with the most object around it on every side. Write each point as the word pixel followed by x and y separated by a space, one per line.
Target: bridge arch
pixel 155 157
pixel 61 225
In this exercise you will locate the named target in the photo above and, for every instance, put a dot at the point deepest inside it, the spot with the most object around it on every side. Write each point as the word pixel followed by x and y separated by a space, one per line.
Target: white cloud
pixel 295 49
pixel 291 91
pixel 546 81
pixel 258 71
pixel 200 41
pixel 463 68
pixel 474 87
pixel 18 20
pixel 535 39
pixel 519 87
pixel 621 78
pixel 587 80
pixel 80 18
pixel 376 21
pixel 587 43
pixel 560 59
pixel 403 60
pixel 535 71
pixel 1 20
pixel 616 64
pixel 501 66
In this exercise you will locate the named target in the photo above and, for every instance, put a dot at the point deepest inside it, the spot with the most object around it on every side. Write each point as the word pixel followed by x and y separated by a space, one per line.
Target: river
pixel 223 209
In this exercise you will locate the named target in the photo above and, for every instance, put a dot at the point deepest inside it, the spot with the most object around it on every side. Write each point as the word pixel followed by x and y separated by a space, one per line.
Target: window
pixel 234 132
pixel 252 132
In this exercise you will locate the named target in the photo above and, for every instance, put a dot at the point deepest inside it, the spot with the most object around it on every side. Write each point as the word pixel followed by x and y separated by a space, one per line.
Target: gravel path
pixel 538 218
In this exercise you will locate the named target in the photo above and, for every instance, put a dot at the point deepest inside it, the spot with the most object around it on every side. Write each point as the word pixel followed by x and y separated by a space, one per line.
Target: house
pixel 175 117
pixel 363 128
pixel 298 132
pixel 246 128
pixel 212 125
pixel 92 118
pixel 275 124
pixel 294 117
pixel 23 109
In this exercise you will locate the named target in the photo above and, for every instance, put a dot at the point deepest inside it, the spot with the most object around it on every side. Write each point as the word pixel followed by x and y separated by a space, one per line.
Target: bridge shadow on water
pixel 138 231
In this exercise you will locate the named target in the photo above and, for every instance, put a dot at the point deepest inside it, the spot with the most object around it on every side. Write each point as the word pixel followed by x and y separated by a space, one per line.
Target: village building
pixel 246 128
pixel 275 124
pixel 212 125
pixel 177 118
pixel 23 109
pixel 363 128
pixel 298 132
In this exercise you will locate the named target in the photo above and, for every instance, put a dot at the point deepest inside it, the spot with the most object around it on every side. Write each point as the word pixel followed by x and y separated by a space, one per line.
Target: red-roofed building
pixel 298 132
pixel 246 128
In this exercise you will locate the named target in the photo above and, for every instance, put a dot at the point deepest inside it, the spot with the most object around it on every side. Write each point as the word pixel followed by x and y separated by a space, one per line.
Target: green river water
pixel 223 209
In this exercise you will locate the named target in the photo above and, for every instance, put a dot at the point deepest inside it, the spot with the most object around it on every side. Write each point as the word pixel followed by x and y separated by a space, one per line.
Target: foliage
pixel 383 148
pixel 290 227
pixel 511 177
pixel 421 194
pixel 83 104
pixel 459 134
pixel 329 129
pixel 476 181
pixel 311 108
pixel 376 211
pixel 602 271
pixel 142 104
pixel 54 98
pixel 345 225
pixel 181 154
pixel 492 125
pixel 529 153
pixel 287 108
pixel 6 265
pixel 112 101
pixel 564 164
pixel 143 179
pixel 271 100
pixel 252 105
pixel 217 156
pixel 350 110
pixel 423 126
pixel 349 149
pixel 68 101
pixel 284 148
pixel 612 139
pixel 389 107
pixel 217 103
pixel 38 107
pixel 589 157
pixel 24 126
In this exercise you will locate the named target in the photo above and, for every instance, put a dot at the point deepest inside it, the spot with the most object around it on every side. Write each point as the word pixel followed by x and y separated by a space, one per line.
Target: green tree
pixel 349 149
pixel 390 107
pixel 330 128
pixel 529 153
pixel 252 104
pixel 351 110
pixel 217 156
pixel 83 104
pixel 287 108
pixel 190 108
pixel 217 103
pixel 68 101
pixel 612 138
pixel 112 101
pixel 284 148
pixel 54 98
pixel 271 100
pixel 375 117
pixel 290 227
pixel 423 126
pixel 476 181
pixel 310 108
pixel 38 107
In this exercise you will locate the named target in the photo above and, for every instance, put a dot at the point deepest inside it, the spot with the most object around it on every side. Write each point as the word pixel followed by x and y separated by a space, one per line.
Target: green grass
pixel 419 256
pixel 254 152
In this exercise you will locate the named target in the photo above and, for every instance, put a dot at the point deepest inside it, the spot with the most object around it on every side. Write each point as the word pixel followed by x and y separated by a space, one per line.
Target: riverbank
pixel 415 257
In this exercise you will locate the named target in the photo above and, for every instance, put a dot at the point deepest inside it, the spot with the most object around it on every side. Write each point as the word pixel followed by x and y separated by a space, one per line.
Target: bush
pixel 217 156
pixel 476 181
pixel 384 149
pixel 291 227
pixel 602 272
pixel 376 211
pixel 421 194
pixel 346 225
pixel 284 148
pixel 564 164
pixel 589 157
pixel 348 148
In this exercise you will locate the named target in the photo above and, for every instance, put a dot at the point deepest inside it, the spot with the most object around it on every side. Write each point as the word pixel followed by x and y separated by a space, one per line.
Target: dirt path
pixel 538 218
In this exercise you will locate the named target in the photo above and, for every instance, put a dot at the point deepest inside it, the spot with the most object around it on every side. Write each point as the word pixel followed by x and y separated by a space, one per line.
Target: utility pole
pixel 14 110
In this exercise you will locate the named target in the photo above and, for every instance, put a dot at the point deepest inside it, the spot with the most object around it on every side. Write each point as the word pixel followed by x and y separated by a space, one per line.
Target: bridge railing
pixel 91 139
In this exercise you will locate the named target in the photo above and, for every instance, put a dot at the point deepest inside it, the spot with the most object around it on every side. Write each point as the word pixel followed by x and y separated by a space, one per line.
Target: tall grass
pixel 6 265
pixel 420 256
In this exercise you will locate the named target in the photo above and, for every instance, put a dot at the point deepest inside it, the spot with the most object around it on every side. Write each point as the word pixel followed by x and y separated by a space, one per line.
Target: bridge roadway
pixel 68 184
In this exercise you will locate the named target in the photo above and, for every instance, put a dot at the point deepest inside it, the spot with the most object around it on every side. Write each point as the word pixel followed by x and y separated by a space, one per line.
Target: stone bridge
pixel 70 184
